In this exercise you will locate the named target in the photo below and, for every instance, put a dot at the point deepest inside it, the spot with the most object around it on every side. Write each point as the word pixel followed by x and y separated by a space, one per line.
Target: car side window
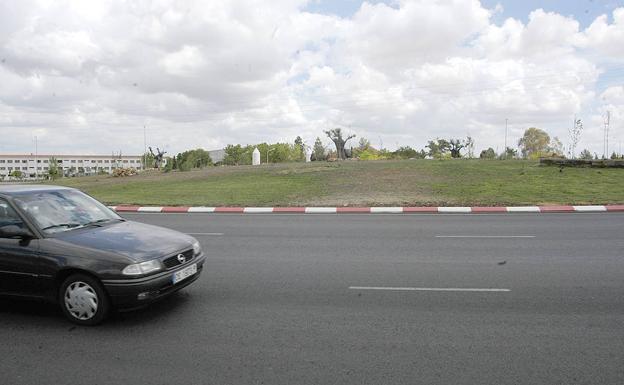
pixel 8 216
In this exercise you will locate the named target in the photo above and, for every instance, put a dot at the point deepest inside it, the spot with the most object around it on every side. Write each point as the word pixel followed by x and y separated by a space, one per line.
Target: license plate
pixel 184 273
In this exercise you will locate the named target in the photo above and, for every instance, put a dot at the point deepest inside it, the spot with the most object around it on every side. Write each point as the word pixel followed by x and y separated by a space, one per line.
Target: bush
pixel 369 155
pixel 488 154
pixel 123 172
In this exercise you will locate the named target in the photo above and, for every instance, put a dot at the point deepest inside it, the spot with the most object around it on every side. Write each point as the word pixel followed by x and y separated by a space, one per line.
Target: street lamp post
pixel 36 159
pixel 505 149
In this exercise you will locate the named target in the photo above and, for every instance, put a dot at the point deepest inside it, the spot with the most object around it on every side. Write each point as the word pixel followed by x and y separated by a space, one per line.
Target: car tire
pixel 84 300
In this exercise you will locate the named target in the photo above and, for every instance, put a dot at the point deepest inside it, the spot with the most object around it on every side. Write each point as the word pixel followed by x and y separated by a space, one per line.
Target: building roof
pixel 70 156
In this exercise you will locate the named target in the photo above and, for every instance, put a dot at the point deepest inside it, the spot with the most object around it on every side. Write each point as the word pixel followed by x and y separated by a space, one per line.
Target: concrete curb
pixel 369 210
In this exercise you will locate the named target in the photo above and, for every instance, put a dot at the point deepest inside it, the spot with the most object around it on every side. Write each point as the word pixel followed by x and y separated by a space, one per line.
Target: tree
pixel 53 170
pixel 319 150
pixel 148 160
pixel 438 148
pixel 575 136
pixel 158 157
pixel 363 144
pixel 488 154
pixel 586 154
pixel 233 154
pixel 169 165
pixel 509 153
pixel 470 146
pixel 556 147
pixel 455 146
pixel 534 142
pixel 198 158
pixel 282 152
pixel 405 152
pixel 299 149
pixel 336 136
pixel 17 174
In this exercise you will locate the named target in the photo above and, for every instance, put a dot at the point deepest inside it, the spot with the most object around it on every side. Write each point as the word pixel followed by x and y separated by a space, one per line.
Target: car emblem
pixel 181 258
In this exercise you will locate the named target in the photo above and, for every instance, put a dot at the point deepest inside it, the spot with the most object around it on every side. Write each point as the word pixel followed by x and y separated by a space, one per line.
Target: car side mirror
pixel 17 232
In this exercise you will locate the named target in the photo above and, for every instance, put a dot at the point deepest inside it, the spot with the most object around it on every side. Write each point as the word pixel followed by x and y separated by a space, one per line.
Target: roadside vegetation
pixel 446 172
pixel 474 182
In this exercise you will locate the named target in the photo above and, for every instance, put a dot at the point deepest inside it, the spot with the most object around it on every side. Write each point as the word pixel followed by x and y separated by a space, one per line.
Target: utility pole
pixel 605 148
pixel 144 148
pixel 505 149
pixel 36 159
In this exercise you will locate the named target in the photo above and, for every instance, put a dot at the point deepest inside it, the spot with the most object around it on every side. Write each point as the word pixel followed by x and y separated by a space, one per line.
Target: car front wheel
pixel 83 300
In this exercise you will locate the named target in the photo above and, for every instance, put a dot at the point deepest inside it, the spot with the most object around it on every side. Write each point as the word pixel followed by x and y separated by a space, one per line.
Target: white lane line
pixel 485 236
pixel 204 233
pixel 454 209
pixel 427 289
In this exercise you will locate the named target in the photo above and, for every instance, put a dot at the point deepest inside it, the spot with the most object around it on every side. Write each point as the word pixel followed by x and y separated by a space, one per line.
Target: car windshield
pixel 63 210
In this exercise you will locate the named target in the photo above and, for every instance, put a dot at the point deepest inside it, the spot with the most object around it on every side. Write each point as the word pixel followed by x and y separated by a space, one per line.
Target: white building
pixel 32 166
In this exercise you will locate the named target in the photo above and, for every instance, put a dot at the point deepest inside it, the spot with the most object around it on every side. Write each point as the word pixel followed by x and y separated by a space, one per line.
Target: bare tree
pixel 336 136
pixel 158 157
pixel 575 136
pixel 456 146
pixel 470 146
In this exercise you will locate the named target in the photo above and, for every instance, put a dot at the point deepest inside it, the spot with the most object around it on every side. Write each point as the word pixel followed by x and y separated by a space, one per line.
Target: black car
pixel 60 244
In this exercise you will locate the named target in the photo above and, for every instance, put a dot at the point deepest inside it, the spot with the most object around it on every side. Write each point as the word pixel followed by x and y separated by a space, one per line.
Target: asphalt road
pixel 274 306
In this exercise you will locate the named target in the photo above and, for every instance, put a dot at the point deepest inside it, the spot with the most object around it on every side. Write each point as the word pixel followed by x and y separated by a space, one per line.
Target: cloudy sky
pixel 87 76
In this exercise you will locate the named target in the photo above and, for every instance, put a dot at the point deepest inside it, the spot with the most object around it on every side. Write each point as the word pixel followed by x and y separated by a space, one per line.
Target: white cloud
pixel 87 77
pixel 604 38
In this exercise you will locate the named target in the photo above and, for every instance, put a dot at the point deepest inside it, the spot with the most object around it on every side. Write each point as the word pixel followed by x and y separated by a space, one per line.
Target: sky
pixel 97 77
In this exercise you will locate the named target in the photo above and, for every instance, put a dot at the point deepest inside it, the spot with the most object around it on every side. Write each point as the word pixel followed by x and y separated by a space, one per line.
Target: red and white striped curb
pixel 368 210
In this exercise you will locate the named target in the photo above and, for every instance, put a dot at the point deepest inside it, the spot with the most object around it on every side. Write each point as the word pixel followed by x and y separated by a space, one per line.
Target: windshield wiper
pixel 97 223
pixel 100 221
pixel 68 225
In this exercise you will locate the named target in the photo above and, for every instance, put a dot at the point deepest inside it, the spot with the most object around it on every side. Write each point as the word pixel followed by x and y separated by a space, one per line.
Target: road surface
pixel 356 299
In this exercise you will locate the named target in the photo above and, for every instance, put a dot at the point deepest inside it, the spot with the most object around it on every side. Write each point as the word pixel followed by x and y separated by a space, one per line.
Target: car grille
pixel 173 261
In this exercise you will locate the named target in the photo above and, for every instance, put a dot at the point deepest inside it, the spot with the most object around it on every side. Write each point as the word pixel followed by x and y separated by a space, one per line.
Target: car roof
pixel 10 189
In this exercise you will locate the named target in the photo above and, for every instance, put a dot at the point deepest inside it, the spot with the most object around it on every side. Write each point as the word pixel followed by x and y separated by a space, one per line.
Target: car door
pixel 19 261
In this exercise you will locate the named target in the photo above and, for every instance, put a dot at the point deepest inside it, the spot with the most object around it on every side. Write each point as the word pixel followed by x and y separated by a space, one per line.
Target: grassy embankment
pixel 359 183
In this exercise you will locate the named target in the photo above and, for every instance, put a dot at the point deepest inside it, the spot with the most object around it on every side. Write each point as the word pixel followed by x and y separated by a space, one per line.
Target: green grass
pixel 359 183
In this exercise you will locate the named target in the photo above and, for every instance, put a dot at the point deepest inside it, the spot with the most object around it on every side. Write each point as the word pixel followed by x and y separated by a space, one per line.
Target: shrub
pixel 123 172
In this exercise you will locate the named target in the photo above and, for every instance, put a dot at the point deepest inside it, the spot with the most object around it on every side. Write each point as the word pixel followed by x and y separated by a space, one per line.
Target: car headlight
pixel 196 248
pixel 142 268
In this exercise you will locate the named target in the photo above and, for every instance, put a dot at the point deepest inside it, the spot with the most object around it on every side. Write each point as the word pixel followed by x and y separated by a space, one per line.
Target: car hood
pixel 137 241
